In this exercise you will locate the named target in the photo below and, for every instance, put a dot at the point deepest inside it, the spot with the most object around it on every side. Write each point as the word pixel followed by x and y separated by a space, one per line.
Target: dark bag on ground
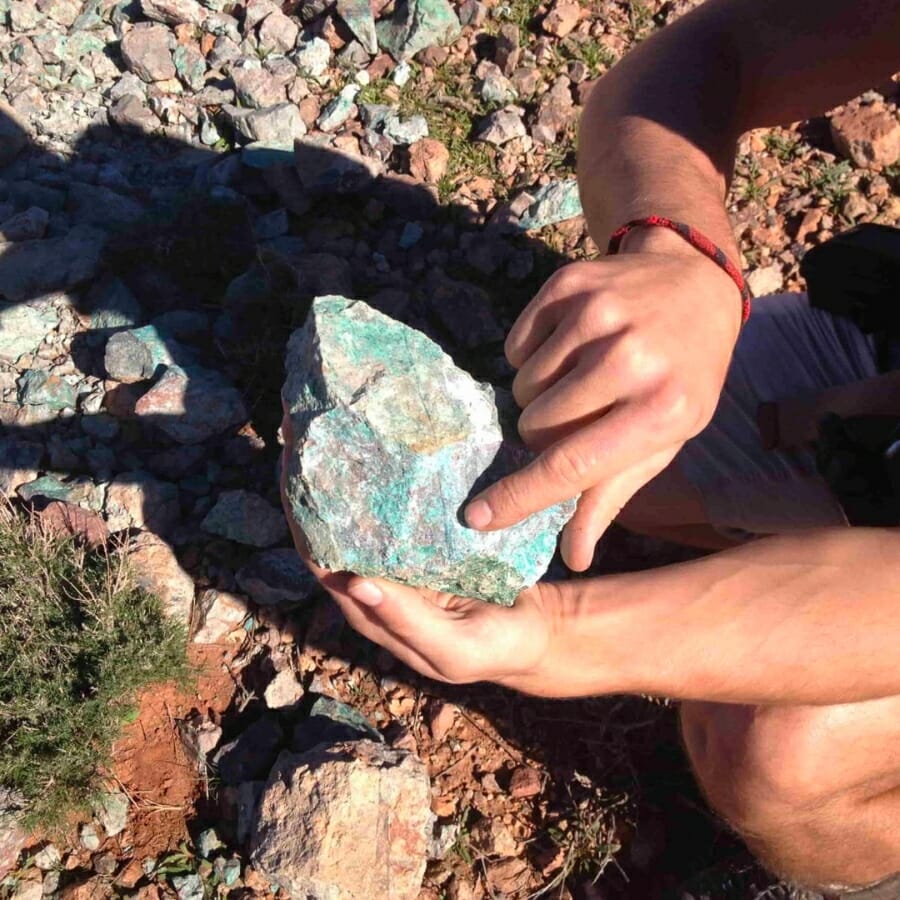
pixel 856 275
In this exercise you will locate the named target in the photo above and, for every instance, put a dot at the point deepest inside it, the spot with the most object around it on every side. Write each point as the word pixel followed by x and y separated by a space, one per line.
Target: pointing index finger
pixel 590 456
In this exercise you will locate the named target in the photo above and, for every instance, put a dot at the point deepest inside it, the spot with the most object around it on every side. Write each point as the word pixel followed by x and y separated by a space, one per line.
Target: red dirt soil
pixel 151 762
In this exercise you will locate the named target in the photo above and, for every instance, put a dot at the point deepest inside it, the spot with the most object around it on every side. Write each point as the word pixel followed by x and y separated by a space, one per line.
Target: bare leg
pixel 814 791
pixel 670 507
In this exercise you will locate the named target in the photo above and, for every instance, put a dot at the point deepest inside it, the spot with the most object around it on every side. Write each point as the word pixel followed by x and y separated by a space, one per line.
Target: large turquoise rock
pixel 391 438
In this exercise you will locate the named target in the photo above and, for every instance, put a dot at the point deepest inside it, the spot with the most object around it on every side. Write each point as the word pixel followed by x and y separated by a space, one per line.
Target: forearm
pixel 659 131
pixel 807 619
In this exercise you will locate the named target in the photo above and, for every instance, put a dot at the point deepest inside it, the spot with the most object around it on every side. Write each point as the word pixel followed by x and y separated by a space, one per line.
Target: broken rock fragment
pixel 391 438
pixel 359 796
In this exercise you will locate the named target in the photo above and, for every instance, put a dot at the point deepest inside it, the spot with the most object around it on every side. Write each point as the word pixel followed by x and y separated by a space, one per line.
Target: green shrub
pixel 77 642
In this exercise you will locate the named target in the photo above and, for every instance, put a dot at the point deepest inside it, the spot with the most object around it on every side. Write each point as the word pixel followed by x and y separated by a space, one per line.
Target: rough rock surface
pixel 391 439
pixel 359 794
pixel 870 137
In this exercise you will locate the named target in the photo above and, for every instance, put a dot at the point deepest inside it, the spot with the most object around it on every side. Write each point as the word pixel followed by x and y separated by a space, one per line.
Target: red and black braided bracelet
pixel 698 241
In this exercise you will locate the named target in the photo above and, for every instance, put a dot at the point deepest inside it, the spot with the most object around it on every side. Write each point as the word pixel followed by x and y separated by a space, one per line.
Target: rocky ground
pixel 178 180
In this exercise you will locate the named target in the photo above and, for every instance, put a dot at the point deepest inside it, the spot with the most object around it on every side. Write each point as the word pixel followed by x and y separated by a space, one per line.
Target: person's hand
pixel 620 362
pixel 448 638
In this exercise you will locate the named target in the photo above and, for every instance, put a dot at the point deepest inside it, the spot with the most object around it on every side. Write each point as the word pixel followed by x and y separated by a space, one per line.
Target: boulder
pixel 345 822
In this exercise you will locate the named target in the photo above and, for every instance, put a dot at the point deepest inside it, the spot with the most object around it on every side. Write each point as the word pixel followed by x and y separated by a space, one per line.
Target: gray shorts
pixel 786 348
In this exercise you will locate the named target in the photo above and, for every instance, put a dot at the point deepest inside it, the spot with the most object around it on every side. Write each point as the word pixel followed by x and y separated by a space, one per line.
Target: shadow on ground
pixel 223 254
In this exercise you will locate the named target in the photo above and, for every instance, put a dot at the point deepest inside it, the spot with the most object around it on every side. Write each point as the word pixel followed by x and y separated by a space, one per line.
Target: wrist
pixel 573 661
pixel 664 236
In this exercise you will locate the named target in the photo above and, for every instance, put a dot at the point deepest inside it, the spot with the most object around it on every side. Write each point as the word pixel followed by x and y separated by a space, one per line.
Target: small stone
pixel 188 887
pixel 331 722
pixel 49 487
pixel 247 518
pixel 392 437
pixel 192 404
pixel 428 160
pixel 870 137
pixel 361 795
pixel 495 87
pixel 28 890
pixel 339 109
pixel 410 236
pixel 37 388
pixel 105 864
pixel 357 14
pixel 555 111
pixel 145 50
pixel 765 281
pixel 26 226
pixel 190 66
pixel 441 720
pixel 89 838
pixel 506 52
pixel 23 329
pixel 312 57
pixel 276 126
pixel 140 353
pixel 328 170
pixel 284 691
pixel 274 577
pixel 157 571
pixel 525 782
pixel 417 25
pixel 34 268
pixel 553 202
pixel 19 462
pixel 208 842
pixel 278 32
pixel 111 304
pixel 47 858
pixel 250 756
pixel 406 131
pixel 131 112
pixel 111 811
pixel 138 500
pixel 63 12
pixel 91 204
pixel 257 88
pixel 66 519
pixel 174 12
pixel 562 18
pixel 220 614
pixel 501 126
pixel 401 74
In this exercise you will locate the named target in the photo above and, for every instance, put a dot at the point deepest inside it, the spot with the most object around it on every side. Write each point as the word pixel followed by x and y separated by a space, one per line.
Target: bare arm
pixel 659 131
pixel 621 360
pixel 807 619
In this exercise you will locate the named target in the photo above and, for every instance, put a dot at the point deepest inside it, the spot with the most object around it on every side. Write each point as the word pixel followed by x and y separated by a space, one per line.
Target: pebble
pixel 88 837
pixel 146 52
pixel 247 518
pixel 502 126
pixel 111 811
pixel 284 691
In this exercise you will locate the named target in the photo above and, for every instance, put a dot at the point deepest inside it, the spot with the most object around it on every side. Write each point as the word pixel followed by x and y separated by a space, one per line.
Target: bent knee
pixel 759 766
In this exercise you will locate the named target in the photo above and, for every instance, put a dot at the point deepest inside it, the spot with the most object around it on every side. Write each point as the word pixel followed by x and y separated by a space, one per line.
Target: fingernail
pixel 366 592
pixel 479 514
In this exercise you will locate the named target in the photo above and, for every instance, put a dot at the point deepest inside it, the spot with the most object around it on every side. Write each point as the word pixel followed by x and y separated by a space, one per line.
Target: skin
pixel 784 651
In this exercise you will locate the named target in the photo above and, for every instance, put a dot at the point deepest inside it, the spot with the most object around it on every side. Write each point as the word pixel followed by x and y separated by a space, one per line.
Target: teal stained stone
pixel 391 438
pixel 416 25
pixel 37 388
pixel 554 202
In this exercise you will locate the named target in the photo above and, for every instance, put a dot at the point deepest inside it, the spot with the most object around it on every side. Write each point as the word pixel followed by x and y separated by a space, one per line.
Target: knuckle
pixel 673 407
pixel 567 465
pixel 508 497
